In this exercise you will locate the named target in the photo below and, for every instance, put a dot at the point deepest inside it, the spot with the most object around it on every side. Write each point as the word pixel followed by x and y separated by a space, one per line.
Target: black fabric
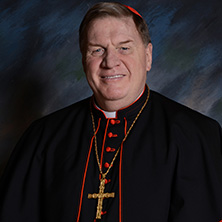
pixel 169 168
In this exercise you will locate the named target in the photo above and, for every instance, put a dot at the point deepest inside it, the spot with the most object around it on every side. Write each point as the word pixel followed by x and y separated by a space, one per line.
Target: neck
pixel 113 106
pixel 110 106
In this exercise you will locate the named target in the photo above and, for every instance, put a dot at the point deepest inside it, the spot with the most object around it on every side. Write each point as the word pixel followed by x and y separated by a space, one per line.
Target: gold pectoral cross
pixel 101 195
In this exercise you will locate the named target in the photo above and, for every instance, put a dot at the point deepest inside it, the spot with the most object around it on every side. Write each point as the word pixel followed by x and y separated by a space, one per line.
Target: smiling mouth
pixel 113 77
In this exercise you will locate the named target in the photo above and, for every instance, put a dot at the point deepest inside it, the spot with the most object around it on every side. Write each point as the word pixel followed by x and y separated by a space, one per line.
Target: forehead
pixel 104 29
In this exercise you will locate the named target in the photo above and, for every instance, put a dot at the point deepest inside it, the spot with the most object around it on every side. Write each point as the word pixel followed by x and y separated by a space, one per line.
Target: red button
pixel 106 165
pixel 112 135
pixel 109 149
pixel 113 121
pixel 103 212
pixel 107 181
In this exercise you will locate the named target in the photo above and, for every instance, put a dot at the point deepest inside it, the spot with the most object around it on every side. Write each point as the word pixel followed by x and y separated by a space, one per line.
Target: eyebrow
pixel 92 44
pixel 125 42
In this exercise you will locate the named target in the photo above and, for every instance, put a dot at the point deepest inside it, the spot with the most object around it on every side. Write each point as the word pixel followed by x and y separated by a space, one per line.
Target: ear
pixel 149 50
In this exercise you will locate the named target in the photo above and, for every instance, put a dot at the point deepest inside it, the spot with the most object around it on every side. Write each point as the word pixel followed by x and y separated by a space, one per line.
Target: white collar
pixel 112 114
pixel 107 114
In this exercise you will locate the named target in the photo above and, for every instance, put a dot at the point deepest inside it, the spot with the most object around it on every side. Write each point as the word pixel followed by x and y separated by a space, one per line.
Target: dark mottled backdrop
pixel 40 62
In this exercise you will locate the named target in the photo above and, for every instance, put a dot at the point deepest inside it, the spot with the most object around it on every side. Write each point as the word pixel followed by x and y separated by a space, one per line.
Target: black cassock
pixel 169 169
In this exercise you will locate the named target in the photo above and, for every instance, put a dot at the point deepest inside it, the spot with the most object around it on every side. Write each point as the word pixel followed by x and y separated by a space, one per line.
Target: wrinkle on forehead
pixel 112 29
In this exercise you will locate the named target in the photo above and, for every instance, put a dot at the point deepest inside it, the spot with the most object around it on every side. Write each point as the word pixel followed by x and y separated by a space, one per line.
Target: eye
pixel 98 51
pixel 124 50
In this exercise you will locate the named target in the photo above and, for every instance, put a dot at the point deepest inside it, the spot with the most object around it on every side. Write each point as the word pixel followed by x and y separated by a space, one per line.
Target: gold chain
pixel 117 152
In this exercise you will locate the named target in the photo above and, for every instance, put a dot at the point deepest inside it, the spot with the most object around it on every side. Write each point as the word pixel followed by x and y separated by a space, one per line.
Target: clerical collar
pixel 106 113
pixel 113 114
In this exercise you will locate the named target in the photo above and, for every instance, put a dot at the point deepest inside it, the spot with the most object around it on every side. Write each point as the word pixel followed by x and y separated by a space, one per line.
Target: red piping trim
pixel 135 100
pixel 120 176
pixel 84 175
pixel 104 139
pixel 125 125
pixel 120 184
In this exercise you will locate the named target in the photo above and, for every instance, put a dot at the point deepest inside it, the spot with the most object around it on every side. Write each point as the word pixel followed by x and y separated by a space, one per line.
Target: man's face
pixel 116 62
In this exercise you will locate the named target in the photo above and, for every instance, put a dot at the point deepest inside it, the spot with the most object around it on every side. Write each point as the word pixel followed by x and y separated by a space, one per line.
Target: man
pixel 125 154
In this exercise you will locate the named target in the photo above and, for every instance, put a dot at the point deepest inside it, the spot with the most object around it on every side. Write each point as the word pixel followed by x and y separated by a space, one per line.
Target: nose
pixel 110 59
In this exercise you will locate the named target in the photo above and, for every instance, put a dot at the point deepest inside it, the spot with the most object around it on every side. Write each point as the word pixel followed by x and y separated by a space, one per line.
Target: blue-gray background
pixel 40 62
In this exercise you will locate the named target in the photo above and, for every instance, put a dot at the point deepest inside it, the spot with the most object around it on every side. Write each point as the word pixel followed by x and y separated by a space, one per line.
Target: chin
pixel 115 95
pixel 112 97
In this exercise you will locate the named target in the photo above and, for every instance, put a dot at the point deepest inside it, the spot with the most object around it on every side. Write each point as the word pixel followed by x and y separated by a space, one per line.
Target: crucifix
pixel 101 195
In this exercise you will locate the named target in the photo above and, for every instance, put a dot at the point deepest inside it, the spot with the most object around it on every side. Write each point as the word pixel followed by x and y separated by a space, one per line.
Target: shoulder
pixel 54 127
pixel 69 112
pixel 72 109
pixel 72 115
pixel 182 117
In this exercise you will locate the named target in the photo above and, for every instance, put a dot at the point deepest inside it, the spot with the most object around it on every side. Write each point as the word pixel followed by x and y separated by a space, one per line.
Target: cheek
pixel 92 72
pixel 89 67
pixel 137 69
pixel 135 66
pixel 92 67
